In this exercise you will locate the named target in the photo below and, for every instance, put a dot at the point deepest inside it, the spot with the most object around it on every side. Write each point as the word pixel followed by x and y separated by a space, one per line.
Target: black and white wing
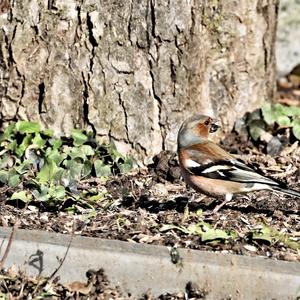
pixel 230 170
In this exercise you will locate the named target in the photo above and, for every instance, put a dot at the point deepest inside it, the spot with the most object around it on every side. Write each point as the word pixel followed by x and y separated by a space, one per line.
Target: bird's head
pixel 196 129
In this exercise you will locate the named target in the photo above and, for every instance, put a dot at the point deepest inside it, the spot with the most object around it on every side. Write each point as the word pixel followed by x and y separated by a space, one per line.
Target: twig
pixel 286 173
pixel 3 259
pixel 21 294
pixel 290 149
pixel 66 253
pixel 51 277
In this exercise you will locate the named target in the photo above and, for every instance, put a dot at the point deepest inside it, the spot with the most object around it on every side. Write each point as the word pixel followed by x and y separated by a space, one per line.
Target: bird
pixel 211 170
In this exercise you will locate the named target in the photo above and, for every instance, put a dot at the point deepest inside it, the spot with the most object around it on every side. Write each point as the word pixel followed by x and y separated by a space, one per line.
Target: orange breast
pixel 213 187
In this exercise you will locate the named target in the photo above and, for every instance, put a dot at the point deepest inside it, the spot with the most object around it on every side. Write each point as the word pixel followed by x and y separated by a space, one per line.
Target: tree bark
pixel 134 70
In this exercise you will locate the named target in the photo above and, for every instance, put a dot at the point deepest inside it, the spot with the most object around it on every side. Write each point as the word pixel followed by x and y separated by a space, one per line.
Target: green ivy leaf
pixel 60 163
pixel 74 168
pixel 87 168
pixel 256 129
pixel 263 234
pixel 41 194
pixel 14 180
pixel 22 195
pixel 279 113
pixel 296 128
pixel 269 114
pixel 28 127
pixel 287 110
pixel 23 167
pixel 284 121
pixel 76 152
pixel 55 143
pixel 48 132
pixel 195 229
pixel 55 155
pixel 87 150
pixel 8 132
pixel 47 172
pixel 12 146
pixel 23 146
pixel 78 137
pixel 126 166
pixel 101 169
pixel 98 197
pixel 114 153
pixel 60 175
pixel 3 176
pixel 57 192
pixel 214 234
pixel 38 141
pixel 5 161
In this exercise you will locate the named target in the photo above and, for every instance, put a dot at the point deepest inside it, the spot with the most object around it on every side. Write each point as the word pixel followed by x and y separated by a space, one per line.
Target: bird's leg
pixel 228 198
pixel 197 198
pixel 192 199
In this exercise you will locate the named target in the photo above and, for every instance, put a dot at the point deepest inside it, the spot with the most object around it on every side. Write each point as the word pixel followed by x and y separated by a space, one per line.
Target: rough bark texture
pixel 133 70
pixel 288 36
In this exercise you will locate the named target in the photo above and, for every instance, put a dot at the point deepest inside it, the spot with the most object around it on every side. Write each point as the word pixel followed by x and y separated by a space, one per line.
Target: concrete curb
pixel 137 268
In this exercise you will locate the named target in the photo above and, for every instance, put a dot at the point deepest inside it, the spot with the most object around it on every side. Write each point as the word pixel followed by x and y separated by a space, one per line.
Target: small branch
pixel 64 258
pixel 2 261
pixel 286 173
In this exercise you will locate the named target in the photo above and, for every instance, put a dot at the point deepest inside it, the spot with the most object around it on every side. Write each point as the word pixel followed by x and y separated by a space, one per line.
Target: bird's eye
pixel 206 122
pixel 214 128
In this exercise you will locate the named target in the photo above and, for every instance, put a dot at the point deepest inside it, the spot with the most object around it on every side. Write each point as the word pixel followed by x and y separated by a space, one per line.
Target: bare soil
pixel 136 206
pixel 19 286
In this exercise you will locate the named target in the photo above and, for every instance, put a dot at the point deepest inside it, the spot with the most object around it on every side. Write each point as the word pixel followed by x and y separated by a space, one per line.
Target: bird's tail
pixel 286 191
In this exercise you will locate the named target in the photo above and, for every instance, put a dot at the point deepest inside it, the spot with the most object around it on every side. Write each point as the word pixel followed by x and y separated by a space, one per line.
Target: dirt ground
pixel 154 206
pixel 19 286
pixel 137 206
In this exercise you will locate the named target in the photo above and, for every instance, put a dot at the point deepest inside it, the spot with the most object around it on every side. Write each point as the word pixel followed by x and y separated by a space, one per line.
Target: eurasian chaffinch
pixel 209 169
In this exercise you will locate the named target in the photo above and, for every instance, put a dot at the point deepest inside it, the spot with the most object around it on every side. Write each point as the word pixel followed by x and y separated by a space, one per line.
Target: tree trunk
pixel 133 70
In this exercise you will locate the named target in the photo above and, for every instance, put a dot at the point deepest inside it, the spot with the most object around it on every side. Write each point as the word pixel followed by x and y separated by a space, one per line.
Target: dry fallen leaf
pixel 250 248
pixel 80 287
